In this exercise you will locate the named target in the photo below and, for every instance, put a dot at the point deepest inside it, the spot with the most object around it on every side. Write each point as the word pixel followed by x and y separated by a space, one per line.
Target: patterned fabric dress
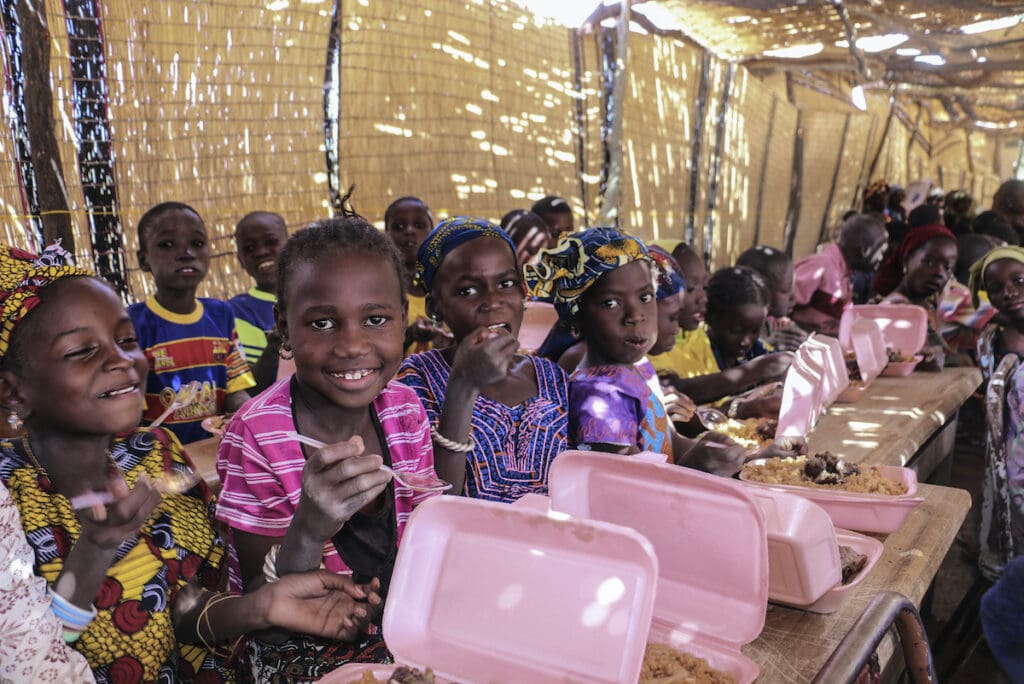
pixel 132 637
pixel 615 405
pixel 515 445
pixel 1003 489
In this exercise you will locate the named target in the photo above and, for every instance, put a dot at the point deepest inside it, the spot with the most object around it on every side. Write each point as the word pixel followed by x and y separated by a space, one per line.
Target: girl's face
pixel 930 267
pixel 696 300
pixel 478 285
pixel 619 316
pixel 1004 282
pixel 783 295
pixel 736 331
pixel 668 323
pixel 344 319
pixel 177 251
pixel 408 226
pixel 82 370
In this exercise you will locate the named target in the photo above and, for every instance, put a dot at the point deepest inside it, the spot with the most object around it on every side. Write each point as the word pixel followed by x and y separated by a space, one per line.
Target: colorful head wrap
pixel 669 278
pixel 22 278
pixel 567 270
pixel 891 272
pixel 448 235
pixel 977 280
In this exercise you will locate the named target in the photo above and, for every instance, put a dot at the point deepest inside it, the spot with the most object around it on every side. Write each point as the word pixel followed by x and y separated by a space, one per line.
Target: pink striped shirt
pixel 261 468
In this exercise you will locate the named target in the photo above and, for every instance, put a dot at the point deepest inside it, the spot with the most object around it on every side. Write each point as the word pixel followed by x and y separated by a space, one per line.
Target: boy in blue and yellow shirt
pixel 259 237
pixel 185 339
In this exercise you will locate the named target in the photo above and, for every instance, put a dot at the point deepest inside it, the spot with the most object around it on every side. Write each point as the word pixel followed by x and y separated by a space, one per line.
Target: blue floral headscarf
pixel 448 235
pixel 566 271
pixel 668 276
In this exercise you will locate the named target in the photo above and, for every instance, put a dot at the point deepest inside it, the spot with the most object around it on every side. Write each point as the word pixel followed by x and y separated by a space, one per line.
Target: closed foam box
pixel 488 592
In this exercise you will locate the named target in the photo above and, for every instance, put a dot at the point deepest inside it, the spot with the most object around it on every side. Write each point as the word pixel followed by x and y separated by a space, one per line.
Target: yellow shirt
pixel 417 310
pixel 690 357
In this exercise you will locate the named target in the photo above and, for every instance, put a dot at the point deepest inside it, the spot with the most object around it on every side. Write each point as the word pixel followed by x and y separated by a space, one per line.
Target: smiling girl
pixel 133 578
pixel 289 507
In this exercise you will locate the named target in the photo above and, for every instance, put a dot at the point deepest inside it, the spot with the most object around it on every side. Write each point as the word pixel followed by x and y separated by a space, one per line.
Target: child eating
pixel 116 523
pixel 290 507
pixel 185 339
pixel 776 269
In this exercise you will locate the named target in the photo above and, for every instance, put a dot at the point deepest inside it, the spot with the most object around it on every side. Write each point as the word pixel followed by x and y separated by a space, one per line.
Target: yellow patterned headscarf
pixel 977 279
pixel 566 271
pixel 22 277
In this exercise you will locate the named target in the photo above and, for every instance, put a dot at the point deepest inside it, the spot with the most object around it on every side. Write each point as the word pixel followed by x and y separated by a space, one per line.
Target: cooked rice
pixel 745 431
pixel 665 665
pixel 790 471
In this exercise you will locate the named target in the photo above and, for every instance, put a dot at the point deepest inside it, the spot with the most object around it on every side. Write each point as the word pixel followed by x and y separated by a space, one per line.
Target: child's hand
pixel 680 408
pixel 784 447
pixel 717 454
pixel 934 358
pixel 769 367
pixel 337 481
pixel 320 603
pixel 106 526
pixel 484 356
pixel 787 339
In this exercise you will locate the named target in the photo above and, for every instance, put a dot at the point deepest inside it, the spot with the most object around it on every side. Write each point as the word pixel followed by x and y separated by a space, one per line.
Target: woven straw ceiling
pixel 980 80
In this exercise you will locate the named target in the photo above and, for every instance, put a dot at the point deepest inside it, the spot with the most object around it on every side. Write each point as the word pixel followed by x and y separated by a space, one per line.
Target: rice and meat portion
pixel 825 471
pixel 401 675
pixel 665 665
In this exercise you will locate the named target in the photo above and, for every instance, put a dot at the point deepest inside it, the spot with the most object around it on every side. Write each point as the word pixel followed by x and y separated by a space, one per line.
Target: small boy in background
pixel 557 213
pixel 259 237
pixel 185 339
pixel 775 266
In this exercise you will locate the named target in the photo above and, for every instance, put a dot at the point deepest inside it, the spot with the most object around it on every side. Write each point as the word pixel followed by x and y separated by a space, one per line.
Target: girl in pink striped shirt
pixel 341 311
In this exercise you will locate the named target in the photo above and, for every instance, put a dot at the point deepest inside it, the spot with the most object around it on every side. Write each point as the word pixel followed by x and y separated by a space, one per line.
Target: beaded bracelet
pixel 450 444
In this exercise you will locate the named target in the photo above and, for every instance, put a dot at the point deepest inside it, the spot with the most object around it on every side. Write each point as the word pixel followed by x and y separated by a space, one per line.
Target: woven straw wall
pixel 469 104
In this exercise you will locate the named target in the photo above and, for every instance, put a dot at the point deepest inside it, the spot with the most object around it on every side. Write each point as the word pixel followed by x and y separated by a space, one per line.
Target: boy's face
pixel 408 226
pixel 783 295
pixel 559 222
pixel 259 241
pixel 176 251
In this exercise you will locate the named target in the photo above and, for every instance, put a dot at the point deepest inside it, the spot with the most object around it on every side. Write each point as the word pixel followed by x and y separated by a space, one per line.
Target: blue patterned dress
pixel 515 445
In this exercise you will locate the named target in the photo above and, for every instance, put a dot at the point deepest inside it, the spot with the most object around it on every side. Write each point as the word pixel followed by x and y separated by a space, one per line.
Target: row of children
pixel 126 575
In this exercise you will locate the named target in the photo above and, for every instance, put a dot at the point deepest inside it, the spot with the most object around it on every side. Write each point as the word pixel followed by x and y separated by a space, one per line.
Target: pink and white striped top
pixel 261 468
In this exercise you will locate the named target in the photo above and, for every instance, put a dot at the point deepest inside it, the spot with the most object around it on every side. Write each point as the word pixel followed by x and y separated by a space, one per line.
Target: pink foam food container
pixel 803 557
pixel 802 402
pixel 862 512
pixel 828 355
pixel 866 343
pixel 904 326
pixel 834 597
pixel 488 592
pixel 710 539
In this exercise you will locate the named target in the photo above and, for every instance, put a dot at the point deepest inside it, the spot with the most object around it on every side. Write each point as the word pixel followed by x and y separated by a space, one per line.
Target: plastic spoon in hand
pixel 175 482
pixel 711 417
pixel 413 481
pixel 186 395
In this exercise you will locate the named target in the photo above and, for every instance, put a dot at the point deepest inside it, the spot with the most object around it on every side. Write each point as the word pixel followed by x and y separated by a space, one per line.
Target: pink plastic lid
pixel 801 396
pixel 868 345
pixel 709 536
pixel 487 592
pixel 828 354
pixel 904 326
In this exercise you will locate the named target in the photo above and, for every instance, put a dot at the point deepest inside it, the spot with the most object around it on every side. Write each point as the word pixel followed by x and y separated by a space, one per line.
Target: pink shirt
pixel 826 272
pixel 261 468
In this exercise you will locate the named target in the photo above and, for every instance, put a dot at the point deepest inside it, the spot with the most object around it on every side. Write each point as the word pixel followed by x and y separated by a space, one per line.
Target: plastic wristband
pixel 450 444
pixel 73 617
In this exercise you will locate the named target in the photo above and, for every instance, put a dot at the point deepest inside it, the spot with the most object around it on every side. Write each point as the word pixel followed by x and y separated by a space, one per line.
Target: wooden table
pixel 896 420
pixel 204 457
pixel 795 644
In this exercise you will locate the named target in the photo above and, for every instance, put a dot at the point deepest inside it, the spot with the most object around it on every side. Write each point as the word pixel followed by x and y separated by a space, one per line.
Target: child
pixel 528 231
pixel 407 221
pixel 259 237
pixel 134 579
pixel 823 281
pixel 776 268
pixel 557 213
pixel 289 507
pixel 603 280
pixel 696 368
pixel 917 272
pixel 1001 275
pixel 185 339
pixel 500 417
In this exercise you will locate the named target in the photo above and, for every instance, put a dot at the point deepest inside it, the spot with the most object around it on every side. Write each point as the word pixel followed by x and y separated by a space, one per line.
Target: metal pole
pixel 610 201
